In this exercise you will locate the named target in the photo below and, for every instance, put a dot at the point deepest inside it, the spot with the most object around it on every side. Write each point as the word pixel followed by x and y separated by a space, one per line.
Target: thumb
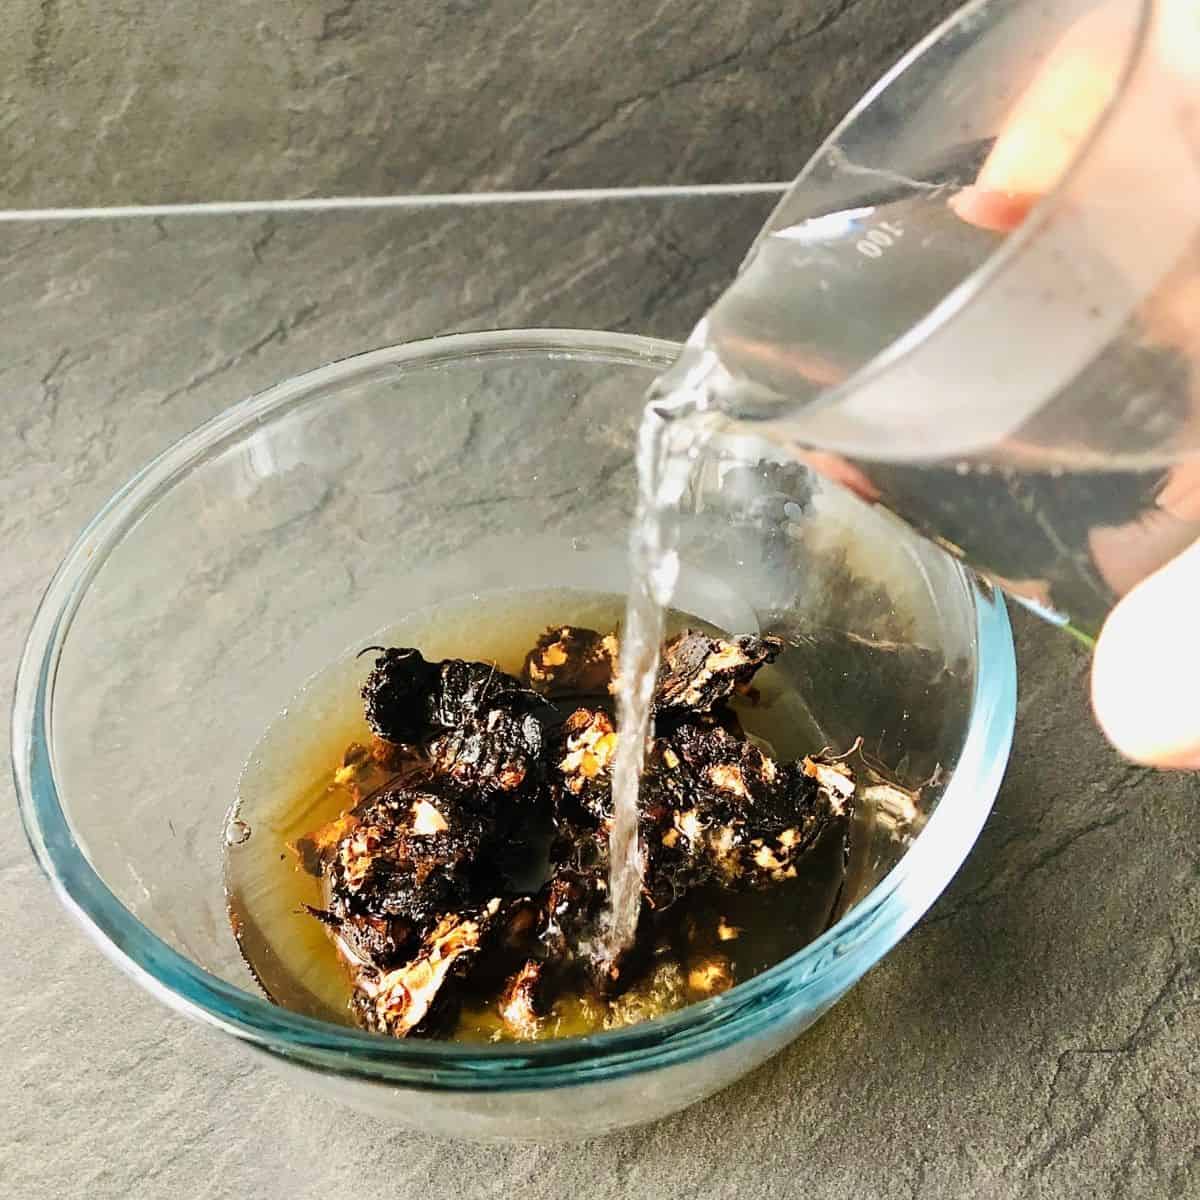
pixel 1146 674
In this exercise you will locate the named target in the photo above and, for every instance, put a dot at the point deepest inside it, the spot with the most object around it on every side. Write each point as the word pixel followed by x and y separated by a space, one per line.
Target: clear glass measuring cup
pixel 979 304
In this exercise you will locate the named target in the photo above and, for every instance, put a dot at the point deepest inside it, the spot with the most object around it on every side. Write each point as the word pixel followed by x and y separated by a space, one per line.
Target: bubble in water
pixel 237 832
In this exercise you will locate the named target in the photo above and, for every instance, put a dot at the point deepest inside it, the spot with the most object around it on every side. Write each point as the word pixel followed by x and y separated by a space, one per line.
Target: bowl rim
pixel 813 977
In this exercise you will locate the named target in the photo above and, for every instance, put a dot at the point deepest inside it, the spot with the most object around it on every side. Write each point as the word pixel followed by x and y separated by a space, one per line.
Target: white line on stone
pixel 225 208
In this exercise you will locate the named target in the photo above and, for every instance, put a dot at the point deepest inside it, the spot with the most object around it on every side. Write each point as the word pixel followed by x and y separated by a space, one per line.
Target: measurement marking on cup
pixel 875 241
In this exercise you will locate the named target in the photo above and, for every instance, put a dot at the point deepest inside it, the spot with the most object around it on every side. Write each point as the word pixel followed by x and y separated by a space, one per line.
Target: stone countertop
pixel 1034 1036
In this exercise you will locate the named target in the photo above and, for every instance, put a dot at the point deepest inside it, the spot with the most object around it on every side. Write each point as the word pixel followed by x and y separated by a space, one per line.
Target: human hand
pixel 1147 662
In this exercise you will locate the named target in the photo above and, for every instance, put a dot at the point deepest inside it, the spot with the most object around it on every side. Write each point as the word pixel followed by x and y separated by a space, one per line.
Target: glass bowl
pixel 285 531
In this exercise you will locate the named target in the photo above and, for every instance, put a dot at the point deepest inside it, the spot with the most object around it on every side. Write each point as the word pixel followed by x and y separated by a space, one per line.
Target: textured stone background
pixel 160 99
pixel 1034 1037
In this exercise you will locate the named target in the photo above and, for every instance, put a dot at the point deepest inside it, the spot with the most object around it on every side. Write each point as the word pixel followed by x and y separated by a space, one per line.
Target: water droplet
pixel 237 832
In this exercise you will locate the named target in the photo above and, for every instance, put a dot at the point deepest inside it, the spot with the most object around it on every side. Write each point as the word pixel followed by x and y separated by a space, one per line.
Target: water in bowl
pixel 290 787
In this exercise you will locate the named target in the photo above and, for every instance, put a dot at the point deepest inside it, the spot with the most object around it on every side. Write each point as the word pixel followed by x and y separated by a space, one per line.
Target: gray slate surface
pixel 1034 1037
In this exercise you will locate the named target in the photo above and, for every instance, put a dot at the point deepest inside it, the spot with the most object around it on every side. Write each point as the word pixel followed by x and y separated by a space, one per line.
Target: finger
pixel 1051 119
pixel 999 212
pixel 842 471
pixel 1146 674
